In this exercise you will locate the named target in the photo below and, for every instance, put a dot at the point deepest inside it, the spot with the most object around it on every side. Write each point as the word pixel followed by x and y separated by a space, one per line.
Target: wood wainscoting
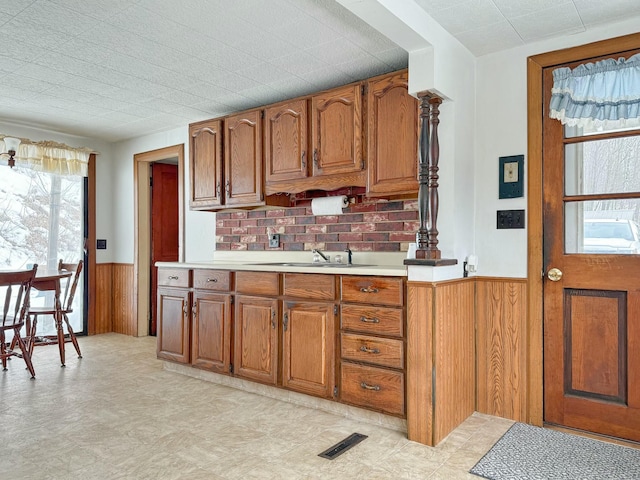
pixel 501 342
pixel 114 299
pixel 441 390
pixel 466 350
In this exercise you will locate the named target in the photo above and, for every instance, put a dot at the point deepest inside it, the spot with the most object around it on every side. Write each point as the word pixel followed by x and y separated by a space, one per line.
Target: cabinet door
pixel 205 164
pixel 256 339
pixel 243 159
pixel 392 136
pixel 308 363
pixel 336 126
pixel 285 142
pixel 211 331
pixel 173 324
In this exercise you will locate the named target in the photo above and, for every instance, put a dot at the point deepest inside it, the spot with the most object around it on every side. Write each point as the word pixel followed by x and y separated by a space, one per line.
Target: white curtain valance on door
pixel 600 94
pixel 51 157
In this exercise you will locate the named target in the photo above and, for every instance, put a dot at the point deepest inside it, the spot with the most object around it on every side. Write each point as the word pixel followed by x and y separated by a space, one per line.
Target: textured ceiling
pixel 117 69
pixel 486 26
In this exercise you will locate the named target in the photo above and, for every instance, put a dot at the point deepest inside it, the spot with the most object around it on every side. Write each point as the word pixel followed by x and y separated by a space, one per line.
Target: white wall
pixel 199 226
pixel 500 130
pixel 104 210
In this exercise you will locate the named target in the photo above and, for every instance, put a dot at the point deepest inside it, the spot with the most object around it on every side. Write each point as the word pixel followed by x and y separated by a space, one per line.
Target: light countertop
pixel 363 263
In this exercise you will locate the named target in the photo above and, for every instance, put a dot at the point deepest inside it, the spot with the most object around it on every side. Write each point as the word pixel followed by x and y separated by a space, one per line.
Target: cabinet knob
pixel 369 289
pixel 218 189
pixel 214 280
pixel 227 188
pixel 315 157
pixel 366 386
pixel 273 319
pixel 303 159
pixel 369 320
pixel 366 349
pixel 173 277
pixel 286 322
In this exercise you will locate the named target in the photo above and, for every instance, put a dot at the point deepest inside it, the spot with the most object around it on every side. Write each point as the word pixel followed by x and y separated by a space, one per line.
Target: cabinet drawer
pixel 373 387
pixel 205 279
pixel 257 283
pixel 376 320
pixel 381 351
pixel 309 286
pixel 373 290
pixel 174 277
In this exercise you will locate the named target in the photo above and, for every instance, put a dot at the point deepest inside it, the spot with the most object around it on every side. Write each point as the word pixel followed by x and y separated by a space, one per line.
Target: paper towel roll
pixel 329 205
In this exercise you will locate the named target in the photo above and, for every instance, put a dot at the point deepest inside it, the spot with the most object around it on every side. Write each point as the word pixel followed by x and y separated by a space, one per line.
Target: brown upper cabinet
pixel 286 142
pixel 243 159
pixel 316 143
pixel 336 131
pixel 205 164
pixel 334 139
pixel 393 131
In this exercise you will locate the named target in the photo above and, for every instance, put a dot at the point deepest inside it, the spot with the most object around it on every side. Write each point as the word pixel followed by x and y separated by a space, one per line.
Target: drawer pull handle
pixel 214 280
pixel 369 320
pixel 369 350
pixel 366 386
pixel 369 290
pixel 173 277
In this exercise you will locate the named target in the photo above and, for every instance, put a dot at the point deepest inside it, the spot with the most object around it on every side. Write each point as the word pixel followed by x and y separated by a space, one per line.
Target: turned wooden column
pixel 427 236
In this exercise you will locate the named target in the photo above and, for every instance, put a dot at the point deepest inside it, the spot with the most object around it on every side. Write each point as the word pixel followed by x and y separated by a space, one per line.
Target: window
pixel 41 221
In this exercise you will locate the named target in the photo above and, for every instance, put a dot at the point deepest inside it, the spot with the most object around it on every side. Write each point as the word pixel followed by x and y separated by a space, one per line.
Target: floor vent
pixel 341 447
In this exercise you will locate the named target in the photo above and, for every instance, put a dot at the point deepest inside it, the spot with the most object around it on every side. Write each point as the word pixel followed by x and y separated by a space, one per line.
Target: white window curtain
pixel 601 94
pixel 51 157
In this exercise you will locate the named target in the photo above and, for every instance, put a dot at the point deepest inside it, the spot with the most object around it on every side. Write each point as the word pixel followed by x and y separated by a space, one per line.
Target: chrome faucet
pixel 317 253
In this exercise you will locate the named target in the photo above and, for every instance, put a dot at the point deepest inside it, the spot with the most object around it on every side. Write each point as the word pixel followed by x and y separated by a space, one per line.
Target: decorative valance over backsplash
pixel 51 157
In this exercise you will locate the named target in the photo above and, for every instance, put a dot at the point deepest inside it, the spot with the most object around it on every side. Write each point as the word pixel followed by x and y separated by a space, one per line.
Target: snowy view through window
pixel 41 222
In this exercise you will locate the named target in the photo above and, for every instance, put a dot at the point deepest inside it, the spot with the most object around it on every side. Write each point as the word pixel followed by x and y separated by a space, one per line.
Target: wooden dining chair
pixel 61 316
pixel 16 287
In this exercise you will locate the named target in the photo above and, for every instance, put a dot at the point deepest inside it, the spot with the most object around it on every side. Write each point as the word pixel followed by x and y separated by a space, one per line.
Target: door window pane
pixel 602 227
pixel 602 166
pixel 41 222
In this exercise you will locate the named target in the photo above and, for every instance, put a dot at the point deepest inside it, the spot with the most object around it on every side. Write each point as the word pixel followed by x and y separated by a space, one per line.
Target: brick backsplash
pixel 375 226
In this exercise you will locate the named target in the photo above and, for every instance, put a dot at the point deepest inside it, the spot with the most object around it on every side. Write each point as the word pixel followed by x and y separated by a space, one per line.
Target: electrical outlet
pixel 274 240
pixel 510 219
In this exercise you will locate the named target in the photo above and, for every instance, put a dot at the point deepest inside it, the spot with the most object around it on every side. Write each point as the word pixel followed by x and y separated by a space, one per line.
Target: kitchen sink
pixel 314 265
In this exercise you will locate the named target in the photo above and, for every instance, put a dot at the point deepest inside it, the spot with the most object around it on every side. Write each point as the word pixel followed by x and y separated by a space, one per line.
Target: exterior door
pixel 591 212
pixel 164 226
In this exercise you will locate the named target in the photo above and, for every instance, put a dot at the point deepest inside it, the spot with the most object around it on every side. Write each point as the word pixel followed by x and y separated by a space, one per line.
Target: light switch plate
pixel 510 219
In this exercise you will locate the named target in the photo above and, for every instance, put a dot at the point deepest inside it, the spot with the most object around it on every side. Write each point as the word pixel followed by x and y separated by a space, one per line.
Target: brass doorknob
pixel 554 274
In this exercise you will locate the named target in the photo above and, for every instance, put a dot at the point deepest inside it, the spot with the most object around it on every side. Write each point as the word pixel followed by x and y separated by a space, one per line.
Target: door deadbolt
pixel 554 274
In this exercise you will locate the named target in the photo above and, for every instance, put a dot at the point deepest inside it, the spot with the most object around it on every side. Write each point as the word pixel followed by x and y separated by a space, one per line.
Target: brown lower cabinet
pixel 256 339
pixel 290 330
pixel 308 348
pixel 174 324
pixel 373 387
pixel 372 344
pixel 211 332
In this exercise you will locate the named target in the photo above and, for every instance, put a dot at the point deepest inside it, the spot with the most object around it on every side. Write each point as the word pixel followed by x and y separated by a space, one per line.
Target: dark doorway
pixel 164 225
